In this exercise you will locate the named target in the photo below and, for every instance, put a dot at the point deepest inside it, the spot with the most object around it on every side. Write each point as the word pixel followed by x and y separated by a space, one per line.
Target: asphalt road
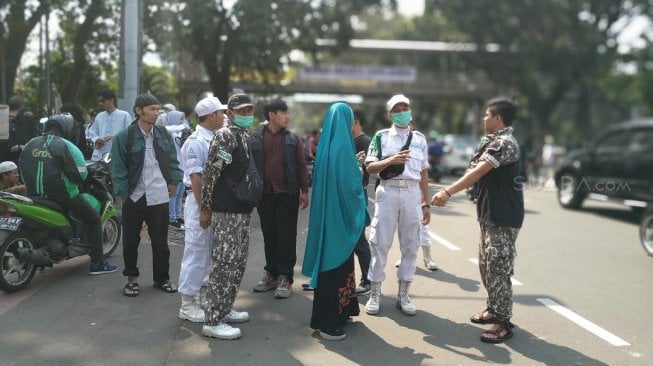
pixel 582 297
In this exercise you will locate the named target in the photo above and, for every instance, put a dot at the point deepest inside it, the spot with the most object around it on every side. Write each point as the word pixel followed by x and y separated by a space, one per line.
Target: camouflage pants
pixel 230 250
pixel 496 260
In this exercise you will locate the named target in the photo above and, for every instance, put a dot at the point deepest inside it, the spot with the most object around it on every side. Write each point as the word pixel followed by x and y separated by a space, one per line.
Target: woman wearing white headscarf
pixel 174 123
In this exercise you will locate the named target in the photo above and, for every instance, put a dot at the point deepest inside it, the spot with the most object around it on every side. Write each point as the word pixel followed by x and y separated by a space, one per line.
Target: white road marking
pixel 446 243
pixel 584 323
pixel 514 281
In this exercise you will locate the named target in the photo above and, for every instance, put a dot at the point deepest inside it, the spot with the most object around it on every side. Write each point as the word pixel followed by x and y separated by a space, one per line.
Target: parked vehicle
pixel 458 152
pixel 646 231
pixel 615 166
pixel 36 232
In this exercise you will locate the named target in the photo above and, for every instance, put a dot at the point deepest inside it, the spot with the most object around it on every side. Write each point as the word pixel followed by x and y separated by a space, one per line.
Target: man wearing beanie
pixel 145 174
pixel 229 158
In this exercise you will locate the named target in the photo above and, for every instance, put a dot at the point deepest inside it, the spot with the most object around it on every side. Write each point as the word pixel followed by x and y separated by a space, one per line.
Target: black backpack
pixel 185 134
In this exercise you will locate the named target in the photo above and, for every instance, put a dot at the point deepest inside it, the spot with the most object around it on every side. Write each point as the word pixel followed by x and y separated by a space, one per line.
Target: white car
pixel 458 152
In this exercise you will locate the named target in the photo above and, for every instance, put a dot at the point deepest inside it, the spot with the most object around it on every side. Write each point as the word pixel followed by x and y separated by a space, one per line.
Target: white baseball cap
pixel 209 105
pixel 396 99
pixel 7 166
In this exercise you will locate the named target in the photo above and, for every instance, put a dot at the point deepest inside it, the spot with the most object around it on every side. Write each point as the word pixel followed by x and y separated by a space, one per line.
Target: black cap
pixel 145 99
pixel 238 101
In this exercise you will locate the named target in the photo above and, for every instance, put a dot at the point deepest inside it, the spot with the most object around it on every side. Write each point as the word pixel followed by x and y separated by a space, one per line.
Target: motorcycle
pixel 36 232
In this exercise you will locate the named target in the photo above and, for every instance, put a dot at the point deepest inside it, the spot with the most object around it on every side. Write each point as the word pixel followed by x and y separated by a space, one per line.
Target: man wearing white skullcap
pixel 9 181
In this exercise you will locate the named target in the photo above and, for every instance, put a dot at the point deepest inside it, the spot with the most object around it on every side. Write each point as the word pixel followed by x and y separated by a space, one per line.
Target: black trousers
pixel 156 218
pixel 85 212
pixel 278 213
pixel 362 250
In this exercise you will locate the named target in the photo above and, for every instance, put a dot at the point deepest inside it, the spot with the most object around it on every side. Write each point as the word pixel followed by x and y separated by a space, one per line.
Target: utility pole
pixel 48 65
pixel 130 53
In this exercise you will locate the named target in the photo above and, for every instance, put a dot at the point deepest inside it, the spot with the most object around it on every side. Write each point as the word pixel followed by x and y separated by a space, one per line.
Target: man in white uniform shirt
pixel 196 262
pixel 107 124
pixel 401 200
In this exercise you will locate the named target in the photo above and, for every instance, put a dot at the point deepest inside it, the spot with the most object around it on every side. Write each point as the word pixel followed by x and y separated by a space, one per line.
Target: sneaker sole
pixel 330 337
pixel 363 293
pixel 206 334
pixel 281 296
pixel 102 272
pixel 372 312
pixel 406 312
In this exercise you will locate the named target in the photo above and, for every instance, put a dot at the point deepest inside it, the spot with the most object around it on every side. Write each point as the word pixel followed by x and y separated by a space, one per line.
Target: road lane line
pixel 514 281
pixel 444 242
pixel 584 323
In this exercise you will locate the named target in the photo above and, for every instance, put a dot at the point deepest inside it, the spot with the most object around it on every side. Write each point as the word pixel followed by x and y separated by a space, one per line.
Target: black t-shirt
pixel 500 196
pixel 362 143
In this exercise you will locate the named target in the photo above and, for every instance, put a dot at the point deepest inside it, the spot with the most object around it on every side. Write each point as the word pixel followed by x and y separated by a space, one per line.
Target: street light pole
pixel 130 53
pixel 48 65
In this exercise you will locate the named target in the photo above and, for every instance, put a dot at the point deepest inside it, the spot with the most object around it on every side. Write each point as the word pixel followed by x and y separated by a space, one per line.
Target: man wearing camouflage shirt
pixel 500 210
pixel 229 219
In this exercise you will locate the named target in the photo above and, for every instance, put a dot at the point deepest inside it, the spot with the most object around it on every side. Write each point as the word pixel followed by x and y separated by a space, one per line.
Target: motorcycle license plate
pixel 10 223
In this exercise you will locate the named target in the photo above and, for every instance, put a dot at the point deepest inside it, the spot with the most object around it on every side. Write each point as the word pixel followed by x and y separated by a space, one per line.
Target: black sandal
pixel 166 286
pixel 498 335
pixel 131 289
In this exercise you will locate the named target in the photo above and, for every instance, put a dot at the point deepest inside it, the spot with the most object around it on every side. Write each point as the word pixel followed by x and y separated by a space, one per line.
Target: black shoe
pixel 333 334
pixel 180 221
pixel 177 225
pixel 364 288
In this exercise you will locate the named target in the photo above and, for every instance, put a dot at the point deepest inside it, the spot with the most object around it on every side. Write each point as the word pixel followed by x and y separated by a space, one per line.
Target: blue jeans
pixel 175 206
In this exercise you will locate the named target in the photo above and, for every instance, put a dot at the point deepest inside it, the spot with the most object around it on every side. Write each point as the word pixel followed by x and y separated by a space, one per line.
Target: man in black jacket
pixel 279 157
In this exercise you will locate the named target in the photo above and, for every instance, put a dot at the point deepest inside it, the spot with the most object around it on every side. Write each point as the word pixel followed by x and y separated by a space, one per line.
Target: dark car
pixel 617 166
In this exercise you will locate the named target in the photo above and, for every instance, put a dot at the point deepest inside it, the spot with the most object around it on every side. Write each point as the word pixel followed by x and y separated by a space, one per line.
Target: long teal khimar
pixel 338 207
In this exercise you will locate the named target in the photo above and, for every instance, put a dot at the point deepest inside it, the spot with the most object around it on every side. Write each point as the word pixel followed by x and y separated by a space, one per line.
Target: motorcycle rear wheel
pixel 111 236
pixel 15 275
pixel 646 231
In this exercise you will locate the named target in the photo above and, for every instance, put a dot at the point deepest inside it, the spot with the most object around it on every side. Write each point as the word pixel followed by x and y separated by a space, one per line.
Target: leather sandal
pixel 479 318
pixel 499 334
pixel 166 286
pixel 131 289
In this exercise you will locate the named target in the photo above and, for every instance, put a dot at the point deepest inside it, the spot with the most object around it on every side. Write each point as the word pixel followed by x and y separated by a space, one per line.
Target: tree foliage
pixel 17 20
pixel 543 51
pixel 252 39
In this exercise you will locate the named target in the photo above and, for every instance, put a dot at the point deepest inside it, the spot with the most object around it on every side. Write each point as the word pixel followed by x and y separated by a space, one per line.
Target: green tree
pixel 88 43
pixel 543 51
pixel 17 20
pixel 251 40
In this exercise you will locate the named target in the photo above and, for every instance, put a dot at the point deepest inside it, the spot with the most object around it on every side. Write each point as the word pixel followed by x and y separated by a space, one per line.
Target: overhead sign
pixel 335 73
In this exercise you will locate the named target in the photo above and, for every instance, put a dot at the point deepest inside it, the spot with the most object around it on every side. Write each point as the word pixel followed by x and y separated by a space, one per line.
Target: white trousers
pixel 424 237
pixel 196 262
pixel 395 209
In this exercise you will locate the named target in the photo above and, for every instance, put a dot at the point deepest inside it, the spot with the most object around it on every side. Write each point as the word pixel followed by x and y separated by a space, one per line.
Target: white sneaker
pixel 236 316
pixel 221 331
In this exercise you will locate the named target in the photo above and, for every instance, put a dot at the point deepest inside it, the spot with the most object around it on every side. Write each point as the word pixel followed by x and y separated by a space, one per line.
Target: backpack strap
pixel 410 138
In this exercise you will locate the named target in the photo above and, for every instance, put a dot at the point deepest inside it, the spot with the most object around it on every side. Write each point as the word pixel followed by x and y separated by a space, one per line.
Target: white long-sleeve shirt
pixel 107 124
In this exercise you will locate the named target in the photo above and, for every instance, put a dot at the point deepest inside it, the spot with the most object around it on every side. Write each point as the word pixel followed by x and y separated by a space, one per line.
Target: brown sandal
pixel 484 317
pixel 500 333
